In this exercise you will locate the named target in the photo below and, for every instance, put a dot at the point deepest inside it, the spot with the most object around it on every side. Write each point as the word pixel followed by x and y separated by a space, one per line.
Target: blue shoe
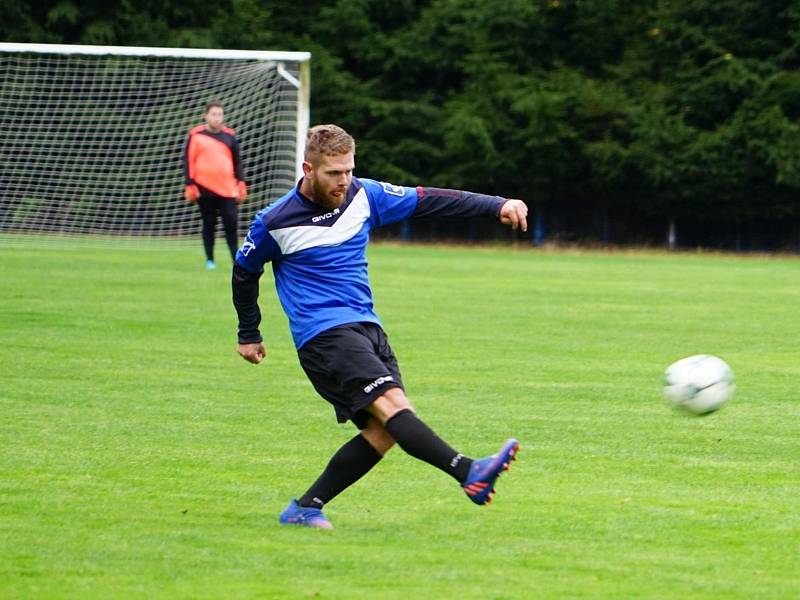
pixel 294 514
pixel 483 472
pixel 211 265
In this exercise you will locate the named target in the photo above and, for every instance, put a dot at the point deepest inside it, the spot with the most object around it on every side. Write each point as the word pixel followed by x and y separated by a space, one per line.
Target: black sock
pixel 350 463
pixel 418 440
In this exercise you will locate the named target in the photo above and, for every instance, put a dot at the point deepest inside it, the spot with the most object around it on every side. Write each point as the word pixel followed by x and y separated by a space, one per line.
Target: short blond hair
pixel 327 140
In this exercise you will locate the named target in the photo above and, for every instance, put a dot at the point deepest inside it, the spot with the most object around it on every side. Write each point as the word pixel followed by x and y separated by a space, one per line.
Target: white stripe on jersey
pixel 302 237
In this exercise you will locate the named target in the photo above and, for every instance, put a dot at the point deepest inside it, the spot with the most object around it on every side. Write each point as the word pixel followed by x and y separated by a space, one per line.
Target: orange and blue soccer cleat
pixel 483 472
pixel 294 514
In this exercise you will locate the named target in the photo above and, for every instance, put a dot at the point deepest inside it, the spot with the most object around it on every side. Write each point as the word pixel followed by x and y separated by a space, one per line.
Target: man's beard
pixel 325 200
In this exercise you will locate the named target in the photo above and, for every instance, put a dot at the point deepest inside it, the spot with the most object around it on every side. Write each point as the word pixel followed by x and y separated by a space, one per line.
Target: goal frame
pixel 302 83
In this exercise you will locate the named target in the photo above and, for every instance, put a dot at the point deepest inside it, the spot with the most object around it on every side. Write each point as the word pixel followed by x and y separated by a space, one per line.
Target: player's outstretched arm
pixel 445 203
pixel 253 353
pixel 514 213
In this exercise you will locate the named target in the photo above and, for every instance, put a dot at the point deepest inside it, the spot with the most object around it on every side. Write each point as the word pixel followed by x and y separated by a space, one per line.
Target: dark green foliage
pixel 669 109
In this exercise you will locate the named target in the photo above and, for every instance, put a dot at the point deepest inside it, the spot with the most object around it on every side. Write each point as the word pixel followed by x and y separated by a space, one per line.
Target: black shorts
pixel 350 366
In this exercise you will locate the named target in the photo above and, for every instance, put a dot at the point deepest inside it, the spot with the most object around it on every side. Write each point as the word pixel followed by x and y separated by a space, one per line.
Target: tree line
pixel 613 119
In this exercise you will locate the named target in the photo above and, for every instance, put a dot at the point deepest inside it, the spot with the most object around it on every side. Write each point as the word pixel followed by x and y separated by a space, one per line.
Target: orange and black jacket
pixel 211 161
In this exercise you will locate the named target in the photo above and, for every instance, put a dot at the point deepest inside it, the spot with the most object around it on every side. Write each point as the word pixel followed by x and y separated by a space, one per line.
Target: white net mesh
pixel 92 145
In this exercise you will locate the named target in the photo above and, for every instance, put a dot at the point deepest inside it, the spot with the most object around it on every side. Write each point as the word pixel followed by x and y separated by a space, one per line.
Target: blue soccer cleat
pixel 483 472
pixel 294 514
pixel 211 265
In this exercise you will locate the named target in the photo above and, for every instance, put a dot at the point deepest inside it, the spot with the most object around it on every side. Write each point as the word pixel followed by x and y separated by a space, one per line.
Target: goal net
pixel 93 137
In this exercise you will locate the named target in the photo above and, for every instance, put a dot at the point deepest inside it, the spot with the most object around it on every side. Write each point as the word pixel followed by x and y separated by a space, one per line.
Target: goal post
pixel 93 136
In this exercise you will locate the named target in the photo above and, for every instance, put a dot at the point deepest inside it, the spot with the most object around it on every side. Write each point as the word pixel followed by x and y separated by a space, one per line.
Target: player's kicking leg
pixel 477 477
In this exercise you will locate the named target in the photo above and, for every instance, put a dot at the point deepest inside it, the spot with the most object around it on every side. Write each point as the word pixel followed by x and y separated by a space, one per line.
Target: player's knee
pixel 377 436
pixel 389 404
pixel 382 444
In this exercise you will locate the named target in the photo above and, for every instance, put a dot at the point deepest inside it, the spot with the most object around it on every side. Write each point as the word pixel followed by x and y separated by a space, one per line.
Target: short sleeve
pixel 390 203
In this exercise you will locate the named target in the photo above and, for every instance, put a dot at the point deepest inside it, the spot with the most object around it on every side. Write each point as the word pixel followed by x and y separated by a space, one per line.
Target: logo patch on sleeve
pixel 394 190
pixel 248 245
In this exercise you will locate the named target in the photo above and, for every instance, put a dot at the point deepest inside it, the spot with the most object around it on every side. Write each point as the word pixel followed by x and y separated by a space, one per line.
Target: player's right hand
pixel 191 193
pixel 253 353
pixel 241 192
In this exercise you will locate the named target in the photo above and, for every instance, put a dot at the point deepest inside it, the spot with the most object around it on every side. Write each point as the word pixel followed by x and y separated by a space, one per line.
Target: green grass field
pixel 140 457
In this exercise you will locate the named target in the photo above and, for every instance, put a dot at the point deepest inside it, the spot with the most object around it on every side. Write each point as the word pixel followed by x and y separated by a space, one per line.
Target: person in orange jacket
pixel 214 178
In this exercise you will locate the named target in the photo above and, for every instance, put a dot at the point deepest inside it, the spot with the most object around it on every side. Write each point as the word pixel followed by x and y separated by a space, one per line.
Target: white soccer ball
pixel 699 384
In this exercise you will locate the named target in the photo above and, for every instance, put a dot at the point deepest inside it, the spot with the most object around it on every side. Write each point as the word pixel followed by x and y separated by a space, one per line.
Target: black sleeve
pixel 238 167
pixel 437 202
pixel 187 180
pixel 245 299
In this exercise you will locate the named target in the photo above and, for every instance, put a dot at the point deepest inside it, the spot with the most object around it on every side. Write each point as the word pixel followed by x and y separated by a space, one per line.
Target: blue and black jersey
pixel 318 256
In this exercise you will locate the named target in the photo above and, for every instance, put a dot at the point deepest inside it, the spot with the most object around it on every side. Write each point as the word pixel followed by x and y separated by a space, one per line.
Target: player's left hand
pixel 191 193
pixel 514 213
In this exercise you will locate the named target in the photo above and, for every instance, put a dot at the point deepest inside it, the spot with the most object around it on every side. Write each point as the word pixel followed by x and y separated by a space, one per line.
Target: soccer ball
pixel 699 384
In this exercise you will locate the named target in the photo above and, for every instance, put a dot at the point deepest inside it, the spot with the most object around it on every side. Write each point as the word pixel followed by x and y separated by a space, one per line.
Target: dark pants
pixel 211 205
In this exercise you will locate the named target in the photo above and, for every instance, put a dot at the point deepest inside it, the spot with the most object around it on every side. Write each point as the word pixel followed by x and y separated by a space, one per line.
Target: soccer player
pixel 315 237
pixel 214 178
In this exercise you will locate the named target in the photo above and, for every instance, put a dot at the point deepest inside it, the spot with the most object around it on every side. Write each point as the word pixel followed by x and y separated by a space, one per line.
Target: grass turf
pixel 140 457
